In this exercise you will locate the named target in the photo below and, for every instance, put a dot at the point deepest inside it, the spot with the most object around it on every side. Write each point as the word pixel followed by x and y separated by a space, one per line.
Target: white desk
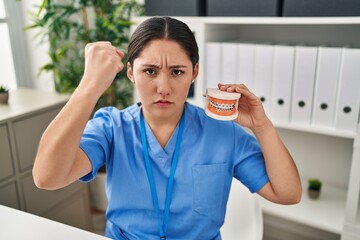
pixel 16 224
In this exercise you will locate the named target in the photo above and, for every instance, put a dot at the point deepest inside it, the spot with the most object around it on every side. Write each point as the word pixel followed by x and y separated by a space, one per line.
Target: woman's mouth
pixel 163 103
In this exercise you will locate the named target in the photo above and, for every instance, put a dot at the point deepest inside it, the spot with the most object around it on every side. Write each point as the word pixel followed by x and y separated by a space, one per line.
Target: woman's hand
pixel 251 110
pixel 59 159
pixel 284 186
pixel 102 63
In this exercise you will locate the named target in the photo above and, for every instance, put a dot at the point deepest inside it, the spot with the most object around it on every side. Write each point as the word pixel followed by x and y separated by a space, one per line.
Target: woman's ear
pixel 129 72
pixel 196 71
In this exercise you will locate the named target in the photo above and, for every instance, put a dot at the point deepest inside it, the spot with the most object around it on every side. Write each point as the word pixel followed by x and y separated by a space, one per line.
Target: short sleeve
pixel 250 164
pixel 96 141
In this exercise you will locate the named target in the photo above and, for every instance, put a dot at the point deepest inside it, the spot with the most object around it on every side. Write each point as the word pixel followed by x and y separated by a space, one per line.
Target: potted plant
pixel 314 188
pixel 4 94
pixel 69 25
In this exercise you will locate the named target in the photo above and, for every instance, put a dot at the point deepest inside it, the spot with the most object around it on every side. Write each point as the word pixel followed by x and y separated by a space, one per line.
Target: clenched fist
pixel 102 63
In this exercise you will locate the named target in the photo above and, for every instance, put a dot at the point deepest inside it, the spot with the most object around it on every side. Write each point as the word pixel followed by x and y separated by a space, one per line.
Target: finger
pixel 120 53
pixel 232 87
pixel 100 43
pixel 224 87
pixel 245 92
pixel 105 43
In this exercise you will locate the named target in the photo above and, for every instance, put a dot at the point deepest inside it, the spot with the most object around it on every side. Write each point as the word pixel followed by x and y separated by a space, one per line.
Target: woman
pixel 169 166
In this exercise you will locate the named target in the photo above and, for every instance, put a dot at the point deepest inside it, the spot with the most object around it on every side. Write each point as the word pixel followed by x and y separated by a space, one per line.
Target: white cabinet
pixel 6 169
pixel 22 123
pixel 331 155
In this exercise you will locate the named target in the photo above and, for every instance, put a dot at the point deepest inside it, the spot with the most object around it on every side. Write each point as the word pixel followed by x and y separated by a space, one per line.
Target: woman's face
pixel 162 74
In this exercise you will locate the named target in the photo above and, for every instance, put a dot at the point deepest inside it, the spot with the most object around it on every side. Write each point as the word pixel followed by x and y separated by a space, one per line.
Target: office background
pixel 319 37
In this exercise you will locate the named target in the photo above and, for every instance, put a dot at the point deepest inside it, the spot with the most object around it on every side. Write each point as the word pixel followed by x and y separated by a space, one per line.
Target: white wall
pixel 37 52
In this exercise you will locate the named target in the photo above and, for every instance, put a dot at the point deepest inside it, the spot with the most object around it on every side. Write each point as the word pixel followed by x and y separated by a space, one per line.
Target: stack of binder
pixel 283 69
pixel 313 86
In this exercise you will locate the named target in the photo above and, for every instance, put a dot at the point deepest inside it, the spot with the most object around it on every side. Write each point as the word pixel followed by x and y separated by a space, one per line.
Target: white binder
pixel 229 62
pixel 303 85
pixel 282 83
pixel 245 64
pixel 348 101
pixel 212 64
pixel 263 74
pixel 327 75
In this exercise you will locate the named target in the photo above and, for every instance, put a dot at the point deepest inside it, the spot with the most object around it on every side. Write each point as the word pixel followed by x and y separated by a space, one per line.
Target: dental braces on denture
pixel 221 105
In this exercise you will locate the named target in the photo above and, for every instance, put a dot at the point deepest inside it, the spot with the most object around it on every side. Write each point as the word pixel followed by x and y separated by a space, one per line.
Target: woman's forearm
pixel 59 144
pixel 281 169
pixel 59 160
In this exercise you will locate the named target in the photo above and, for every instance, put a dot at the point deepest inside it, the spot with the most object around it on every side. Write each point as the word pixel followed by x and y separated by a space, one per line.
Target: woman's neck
pixel 162 128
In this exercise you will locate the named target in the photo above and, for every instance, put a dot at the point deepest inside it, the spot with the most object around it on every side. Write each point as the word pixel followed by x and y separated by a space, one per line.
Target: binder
pixel 348 100
pixel 263 74
pixel 245 64
pixel 282 83
pixel 303 85
pixel 212 64
pixel 327 75
pixel 229 62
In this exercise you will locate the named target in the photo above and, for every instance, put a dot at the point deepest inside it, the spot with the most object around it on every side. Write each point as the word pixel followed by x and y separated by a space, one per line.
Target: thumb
pixel 120 53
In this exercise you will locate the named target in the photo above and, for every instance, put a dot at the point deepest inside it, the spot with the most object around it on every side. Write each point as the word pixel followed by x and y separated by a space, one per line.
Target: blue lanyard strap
pixel 162 226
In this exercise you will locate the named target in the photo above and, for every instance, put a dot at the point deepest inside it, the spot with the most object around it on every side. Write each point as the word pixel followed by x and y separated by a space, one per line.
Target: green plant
pixel 69 25
pixel 4 89
pixel 314 184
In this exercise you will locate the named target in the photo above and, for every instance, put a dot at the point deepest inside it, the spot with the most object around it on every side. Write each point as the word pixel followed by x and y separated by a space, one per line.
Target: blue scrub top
pixel 212 152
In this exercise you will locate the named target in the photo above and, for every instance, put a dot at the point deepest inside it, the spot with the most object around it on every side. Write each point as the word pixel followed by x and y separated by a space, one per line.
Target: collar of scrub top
pixel 163 225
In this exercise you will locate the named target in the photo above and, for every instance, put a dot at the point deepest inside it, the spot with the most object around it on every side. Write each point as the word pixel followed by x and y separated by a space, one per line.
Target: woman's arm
pixel 59 160
pixel 285 185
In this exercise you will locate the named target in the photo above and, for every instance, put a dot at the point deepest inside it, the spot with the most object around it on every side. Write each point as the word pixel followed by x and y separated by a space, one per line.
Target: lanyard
pixel 162 227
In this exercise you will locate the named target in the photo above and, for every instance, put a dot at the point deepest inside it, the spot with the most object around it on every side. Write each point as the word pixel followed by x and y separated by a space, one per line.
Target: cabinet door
pixel 39 201
pixel 9 196
pixel 28 132
pixel 74 212
pixel 6 169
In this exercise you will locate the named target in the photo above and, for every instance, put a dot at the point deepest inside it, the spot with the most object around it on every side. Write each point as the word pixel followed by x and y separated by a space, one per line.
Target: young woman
pixel 169 166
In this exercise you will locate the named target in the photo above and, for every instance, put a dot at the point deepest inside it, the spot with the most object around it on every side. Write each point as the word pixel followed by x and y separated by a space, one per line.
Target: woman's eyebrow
pixel 178 66
pixel 150 65
pixel 156 66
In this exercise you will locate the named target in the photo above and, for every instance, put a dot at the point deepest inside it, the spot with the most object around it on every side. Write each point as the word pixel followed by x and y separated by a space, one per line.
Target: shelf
pixel 320 153
pixel 326 213
pixel 267 20
pixel 317 130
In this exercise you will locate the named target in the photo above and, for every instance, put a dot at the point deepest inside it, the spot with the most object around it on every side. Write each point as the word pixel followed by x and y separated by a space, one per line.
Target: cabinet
pixel 331 155
pixel 22 123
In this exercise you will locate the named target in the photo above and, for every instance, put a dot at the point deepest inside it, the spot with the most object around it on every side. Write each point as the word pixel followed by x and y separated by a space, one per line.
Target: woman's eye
pixel 178 72
pixel 149 71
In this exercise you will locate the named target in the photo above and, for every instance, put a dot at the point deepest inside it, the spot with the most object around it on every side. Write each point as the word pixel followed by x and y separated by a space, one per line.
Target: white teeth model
pixel 222 106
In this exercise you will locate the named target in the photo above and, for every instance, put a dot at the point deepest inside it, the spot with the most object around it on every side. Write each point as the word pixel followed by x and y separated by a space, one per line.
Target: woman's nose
pixel 163 87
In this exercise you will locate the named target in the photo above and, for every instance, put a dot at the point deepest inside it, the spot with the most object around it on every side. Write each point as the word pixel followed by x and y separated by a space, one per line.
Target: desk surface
pixel 23 101
pixel 16 224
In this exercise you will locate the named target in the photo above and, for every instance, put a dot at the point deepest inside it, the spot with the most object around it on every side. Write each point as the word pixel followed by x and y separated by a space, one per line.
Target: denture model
pixel 221 105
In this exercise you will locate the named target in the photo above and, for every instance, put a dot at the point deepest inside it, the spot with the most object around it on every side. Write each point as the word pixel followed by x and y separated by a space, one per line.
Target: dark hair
pixel 166 28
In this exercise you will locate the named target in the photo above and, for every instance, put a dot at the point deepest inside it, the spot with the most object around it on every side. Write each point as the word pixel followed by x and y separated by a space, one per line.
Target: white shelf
pixel 326 213
pixel 317 130
pixel 336 166
pixel 267 20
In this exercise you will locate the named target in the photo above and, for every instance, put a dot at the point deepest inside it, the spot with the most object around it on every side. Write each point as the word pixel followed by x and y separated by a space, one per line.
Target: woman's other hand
pixel 284 186
pixel 102 62
pixel 251 110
